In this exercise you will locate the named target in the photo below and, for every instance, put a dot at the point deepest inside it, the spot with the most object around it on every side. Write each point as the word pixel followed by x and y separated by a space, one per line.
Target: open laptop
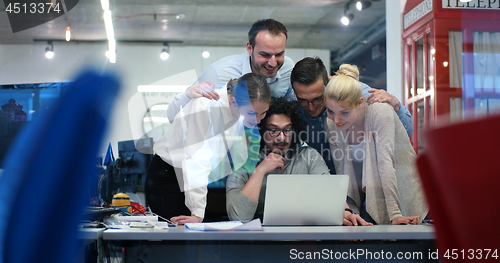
pixel 305 199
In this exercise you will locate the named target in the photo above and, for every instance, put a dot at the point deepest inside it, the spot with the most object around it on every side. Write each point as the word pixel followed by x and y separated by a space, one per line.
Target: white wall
pixel 136 65
pixel 394 31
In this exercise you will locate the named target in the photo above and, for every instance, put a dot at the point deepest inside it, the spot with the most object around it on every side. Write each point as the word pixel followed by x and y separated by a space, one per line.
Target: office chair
pixel 48 172
pixel 459 172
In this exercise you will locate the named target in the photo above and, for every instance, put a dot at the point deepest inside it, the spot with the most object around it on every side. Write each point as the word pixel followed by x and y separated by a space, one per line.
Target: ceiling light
pixel 180 16
pixel 111 54
pixel 464 1
pixel 360 5
pixel 205 54
pixel 105 5
pixel 49 53
pixel 165 52
pixel 110 33
pixel 108 24
pixel 49 50
pixel 164 55
pixel 68 33
pixel 346 19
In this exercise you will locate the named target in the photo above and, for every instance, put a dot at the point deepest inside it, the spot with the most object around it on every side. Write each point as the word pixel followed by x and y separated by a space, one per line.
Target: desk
pixel 274 244
pixel 90 233
pixel 91 244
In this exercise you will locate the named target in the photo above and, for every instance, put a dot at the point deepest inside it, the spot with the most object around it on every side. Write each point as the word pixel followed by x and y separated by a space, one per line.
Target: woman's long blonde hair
pixel 345 85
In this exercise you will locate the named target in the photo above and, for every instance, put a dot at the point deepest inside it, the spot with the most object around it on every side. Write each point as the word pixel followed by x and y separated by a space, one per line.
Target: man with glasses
pixel 309 77
pixel 281 152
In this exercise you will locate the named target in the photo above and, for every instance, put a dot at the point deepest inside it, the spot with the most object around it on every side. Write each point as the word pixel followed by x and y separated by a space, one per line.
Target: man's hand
pixel 380 95
pixel 406 220
pixel 271 162
pixel 181 220
pixel 354 220
pixel 203 89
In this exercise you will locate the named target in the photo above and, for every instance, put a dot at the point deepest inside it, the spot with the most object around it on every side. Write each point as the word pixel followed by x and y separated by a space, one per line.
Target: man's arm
pixel 252 187
pixel 290 94
pixel 405 118
pixel 243 191
pixel 283 88
pixel 238 206
pixel 378 95
pixel 203 87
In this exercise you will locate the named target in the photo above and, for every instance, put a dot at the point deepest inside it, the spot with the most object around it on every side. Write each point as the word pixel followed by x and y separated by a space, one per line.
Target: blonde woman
pixel 370 144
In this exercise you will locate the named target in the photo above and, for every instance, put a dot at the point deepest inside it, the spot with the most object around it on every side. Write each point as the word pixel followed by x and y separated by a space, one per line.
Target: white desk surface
pixel 90 233
pixel 312 233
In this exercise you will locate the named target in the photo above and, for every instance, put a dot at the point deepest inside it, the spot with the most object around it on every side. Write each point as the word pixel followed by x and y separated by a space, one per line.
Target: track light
pixel 360 5
pixel 105 5
pixel 205 54
pixel 165 52
pixel 111 53
pixel 68 33
pixel 346 19
pixel 164 55
pixel 49 50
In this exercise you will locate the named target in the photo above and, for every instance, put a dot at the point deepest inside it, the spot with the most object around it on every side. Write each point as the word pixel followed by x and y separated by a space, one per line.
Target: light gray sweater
pixel 389 178
pixel 305 160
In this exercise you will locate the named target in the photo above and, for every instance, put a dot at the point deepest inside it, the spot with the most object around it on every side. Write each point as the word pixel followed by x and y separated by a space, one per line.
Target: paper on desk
pixel 136 218
pixel 226 226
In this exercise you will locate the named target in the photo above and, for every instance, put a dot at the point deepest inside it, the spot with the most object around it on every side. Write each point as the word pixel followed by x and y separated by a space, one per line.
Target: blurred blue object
pixel 109 156
pixel 48 171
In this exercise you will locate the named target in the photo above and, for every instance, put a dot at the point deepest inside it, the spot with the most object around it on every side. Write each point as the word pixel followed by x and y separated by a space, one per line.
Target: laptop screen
pixel 305 199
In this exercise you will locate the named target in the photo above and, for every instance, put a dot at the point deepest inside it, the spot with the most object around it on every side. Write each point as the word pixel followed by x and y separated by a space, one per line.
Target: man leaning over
pixel 265 55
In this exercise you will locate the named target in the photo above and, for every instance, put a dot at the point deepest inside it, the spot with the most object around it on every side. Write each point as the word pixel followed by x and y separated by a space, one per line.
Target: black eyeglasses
pixel 315 102
pixel 276 132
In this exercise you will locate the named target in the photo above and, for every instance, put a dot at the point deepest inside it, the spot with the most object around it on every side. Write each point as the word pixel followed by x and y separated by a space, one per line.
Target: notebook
pixel 305 200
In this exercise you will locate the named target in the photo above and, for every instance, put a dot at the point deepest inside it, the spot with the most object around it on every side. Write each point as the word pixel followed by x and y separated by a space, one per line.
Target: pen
pixel 170 223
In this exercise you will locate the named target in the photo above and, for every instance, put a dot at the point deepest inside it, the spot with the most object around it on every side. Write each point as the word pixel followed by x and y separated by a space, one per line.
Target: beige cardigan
pixel 389 179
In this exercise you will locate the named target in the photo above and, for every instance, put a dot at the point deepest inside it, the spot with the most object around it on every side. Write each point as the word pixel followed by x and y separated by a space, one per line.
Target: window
pixel 420 66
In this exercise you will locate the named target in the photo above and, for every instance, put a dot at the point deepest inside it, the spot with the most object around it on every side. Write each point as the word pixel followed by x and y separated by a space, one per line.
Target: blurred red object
pixel 137 208
pixel 459 172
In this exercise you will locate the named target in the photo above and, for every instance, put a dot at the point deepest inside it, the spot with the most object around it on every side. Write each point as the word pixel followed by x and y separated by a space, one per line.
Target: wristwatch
pixel 349 210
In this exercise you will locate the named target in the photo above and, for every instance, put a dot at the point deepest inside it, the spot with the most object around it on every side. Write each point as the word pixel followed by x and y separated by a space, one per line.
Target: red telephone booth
pixel 451 53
